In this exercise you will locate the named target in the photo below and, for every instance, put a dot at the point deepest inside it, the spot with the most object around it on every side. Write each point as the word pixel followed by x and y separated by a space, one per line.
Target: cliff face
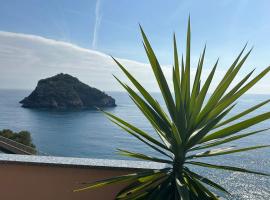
pixel 64 91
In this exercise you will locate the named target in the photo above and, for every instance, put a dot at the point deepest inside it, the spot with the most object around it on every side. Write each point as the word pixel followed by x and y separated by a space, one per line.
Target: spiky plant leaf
pixel 191 125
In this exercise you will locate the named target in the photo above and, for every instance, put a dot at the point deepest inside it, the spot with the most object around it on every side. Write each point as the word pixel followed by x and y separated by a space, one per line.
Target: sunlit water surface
pixel 88 133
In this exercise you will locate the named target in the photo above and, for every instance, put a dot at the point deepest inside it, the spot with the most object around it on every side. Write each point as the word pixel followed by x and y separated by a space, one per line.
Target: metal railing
pixel 16 147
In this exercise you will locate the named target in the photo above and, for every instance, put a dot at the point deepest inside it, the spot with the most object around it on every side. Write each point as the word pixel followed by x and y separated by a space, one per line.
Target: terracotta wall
pixel 36 182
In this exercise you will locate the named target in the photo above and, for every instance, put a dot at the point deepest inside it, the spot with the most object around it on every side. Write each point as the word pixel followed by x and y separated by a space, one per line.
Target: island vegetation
pixel 64 91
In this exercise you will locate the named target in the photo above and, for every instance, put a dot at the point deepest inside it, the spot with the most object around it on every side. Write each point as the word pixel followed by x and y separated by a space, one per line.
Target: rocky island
pixel 64 91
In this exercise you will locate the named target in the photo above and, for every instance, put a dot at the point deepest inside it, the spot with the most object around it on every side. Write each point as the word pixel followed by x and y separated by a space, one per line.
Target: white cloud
pixel 98 18
pixel 24 59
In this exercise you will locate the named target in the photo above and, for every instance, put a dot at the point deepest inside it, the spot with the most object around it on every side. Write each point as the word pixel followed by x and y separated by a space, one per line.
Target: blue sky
pixel 111 26
pixel 225 25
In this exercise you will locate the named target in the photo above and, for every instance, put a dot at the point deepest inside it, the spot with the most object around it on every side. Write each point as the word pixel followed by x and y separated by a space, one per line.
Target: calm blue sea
pixel 89 133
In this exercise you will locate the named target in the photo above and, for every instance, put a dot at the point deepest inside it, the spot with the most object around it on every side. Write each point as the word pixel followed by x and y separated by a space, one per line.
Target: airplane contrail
pixel 98 18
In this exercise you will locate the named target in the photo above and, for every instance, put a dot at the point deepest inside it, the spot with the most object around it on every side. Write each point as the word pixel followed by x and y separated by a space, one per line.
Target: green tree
pixel 23 137
pixel 191 127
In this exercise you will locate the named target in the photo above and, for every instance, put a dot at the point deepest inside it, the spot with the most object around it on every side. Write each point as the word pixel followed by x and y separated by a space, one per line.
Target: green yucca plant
pixel 191 128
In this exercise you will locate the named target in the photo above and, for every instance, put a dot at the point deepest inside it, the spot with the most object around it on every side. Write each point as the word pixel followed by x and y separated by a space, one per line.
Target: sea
pixel 89 134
